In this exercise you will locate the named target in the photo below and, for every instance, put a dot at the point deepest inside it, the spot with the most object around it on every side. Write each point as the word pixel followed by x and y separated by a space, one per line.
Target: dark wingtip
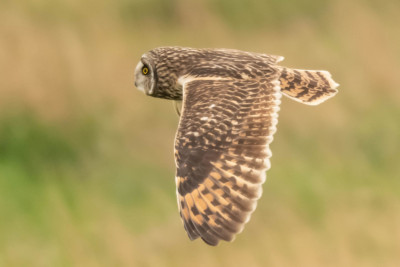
pixel 211 243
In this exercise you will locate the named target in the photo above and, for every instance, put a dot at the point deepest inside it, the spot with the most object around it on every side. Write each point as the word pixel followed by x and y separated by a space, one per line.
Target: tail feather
pixel 310 87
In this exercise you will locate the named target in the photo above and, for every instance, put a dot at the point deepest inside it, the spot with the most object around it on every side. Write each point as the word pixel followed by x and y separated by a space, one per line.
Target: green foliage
pixel 32 145
pixel 28 142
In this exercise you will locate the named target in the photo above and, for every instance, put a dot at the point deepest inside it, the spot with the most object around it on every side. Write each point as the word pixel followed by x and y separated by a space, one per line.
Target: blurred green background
pixel 86 160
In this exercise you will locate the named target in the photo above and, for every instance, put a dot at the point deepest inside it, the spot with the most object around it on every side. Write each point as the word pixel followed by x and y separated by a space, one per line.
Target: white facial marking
pixel 139 79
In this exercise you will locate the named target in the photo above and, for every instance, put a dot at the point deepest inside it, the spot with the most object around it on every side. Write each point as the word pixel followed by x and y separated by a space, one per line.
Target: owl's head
pixel 158 71
pixel 146 76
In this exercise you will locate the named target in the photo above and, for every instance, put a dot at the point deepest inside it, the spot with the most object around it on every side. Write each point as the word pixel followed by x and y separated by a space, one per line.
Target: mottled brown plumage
pixel 230 108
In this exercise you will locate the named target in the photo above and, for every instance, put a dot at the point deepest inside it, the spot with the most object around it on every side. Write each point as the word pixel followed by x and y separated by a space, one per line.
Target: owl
pixel 230 103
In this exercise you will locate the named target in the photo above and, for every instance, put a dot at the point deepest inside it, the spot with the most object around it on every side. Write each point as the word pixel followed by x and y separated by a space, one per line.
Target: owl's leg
pixel 178 107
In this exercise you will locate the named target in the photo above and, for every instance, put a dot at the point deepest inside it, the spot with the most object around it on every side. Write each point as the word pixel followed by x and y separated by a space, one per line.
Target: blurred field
pixel 86 160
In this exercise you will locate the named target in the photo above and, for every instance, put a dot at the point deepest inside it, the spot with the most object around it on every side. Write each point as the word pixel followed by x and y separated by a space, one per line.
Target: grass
pixel 86 161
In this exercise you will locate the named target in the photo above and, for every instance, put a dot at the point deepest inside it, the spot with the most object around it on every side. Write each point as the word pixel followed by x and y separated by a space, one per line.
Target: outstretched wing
pixel 222 152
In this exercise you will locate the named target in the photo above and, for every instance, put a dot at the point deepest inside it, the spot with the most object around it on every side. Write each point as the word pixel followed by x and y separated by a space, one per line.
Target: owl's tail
pixel 310 87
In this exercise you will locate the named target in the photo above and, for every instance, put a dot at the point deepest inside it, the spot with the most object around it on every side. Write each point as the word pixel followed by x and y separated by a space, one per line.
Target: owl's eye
pixel 145 70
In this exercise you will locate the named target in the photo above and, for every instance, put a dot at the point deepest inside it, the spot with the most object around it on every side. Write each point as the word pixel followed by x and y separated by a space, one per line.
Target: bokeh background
pixel 86 160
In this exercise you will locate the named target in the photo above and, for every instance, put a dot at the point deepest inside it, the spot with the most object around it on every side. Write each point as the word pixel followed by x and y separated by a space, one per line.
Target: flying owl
pixel 230 103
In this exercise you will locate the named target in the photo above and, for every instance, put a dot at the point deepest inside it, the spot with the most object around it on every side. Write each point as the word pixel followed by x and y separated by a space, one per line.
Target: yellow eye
pixel 145 70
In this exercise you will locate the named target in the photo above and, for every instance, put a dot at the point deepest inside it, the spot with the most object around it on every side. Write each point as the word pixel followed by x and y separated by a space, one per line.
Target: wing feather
pixel 222 151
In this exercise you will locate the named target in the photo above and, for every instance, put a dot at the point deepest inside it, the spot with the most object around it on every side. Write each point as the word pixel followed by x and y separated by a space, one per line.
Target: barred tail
pixel 310 87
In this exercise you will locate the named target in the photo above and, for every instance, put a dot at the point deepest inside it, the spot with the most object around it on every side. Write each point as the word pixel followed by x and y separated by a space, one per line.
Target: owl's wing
pixel 222 152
